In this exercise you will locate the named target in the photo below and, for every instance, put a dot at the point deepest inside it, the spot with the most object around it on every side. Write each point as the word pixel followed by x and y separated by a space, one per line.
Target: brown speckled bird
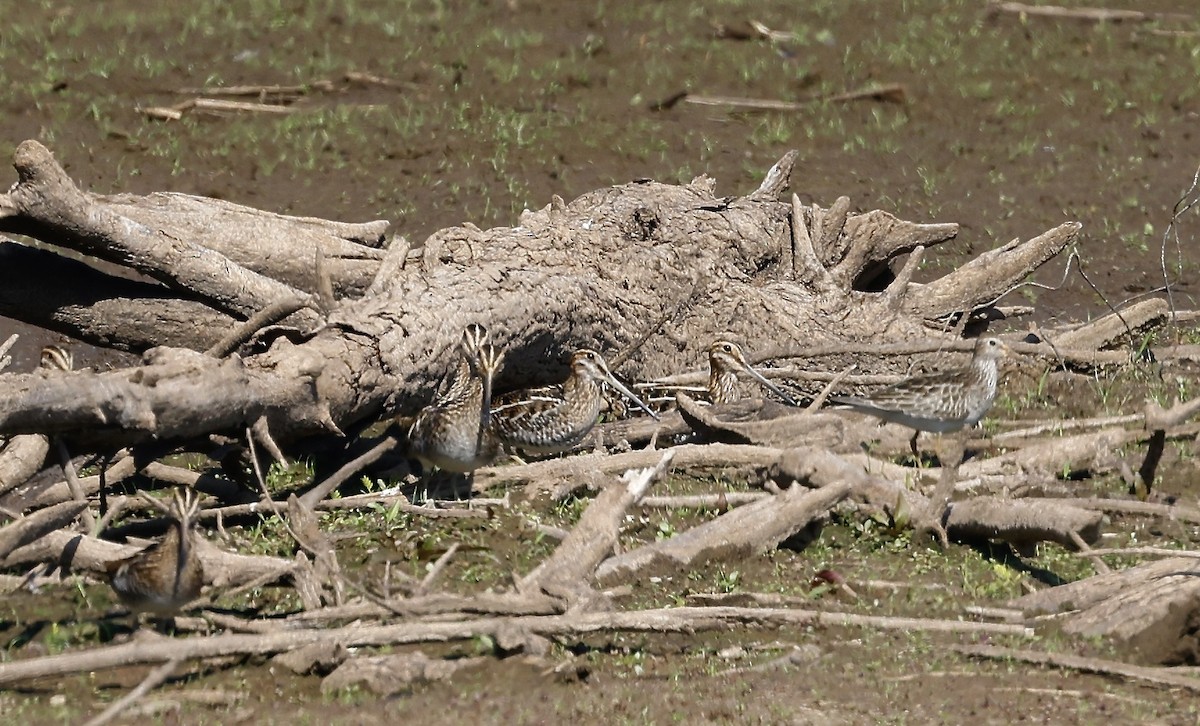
pixel 942 401
pixel 453 433
pixel 167 575
pixel 725 360
pixel 553 424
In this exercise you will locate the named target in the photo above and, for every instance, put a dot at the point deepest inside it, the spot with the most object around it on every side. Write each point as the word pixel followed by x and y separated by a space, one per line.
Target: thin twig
pixel 1158 676
pixel 834 382
pixel 313 496
pixel 5 358
pixel 76 487
pixel 269 315
pixel 150 682
pixel 435 570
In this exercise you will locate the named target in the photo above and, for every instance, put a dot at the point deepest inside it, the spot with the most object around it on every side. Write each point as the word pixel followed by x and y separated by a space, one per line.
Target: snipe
pixel 553 424
pixel 167 575
pixel 942 401
pixel 452 433
pixel 725 360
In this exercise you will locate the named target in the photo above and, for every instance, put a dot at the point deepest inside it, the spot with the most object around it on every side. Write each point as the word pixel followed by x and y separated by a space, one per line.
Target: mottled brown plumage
pixel 725 360
pixel 167 575
pixel 553 424
pixel 942 401
pixel 453 433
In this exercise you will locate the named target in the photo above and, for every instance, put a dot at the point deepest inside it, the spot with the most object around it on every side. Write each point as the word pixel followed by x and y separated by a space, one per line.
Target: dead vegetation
pixel 293 340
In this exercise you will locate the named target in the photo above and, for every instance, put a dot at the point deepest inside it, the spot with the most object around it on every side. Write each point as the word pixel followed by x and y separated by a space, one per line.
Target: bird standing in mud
pixel 942 401
pixel 453 433
pixel 167 575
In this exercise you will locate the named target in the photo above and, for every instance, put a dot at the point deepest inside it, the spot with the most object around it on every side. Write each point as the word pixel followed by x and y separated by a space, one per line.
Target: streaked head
pixel 591 364
pixel 185 505
pixel 57 357
pixel 474 337
pixel 726 355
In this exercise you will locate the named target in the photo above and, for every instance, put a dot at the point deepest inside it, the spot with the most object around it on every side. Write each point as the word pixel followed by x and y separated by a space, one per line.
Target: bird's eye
pixel 727 348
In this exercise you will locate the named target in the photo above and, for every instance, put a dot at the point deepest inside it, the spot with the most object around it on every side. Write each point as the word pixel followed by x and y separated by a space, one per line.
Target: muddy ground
pixel 1006 124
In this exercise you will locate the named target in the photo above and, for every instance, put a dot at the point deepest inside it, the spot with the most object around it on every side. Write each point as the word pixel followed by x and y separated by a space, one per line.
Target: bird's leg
pixel 951 457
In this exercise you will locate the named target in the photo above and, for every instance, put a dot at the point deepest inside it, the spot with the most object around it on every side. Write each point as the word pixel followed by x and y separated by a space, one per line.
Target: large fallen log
pixel 598 272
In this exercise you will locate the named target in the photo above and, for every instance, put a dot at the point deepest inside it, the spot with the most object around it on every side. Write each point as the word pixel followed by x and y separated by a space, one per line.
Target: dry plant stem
pixel 77 493
pixel 829 388
pixel 893 92
pixel 1158 676
pixel 1099 15
pixel 438 567
pixel 153 680
pixel 667 620
pixel 261 431
pixel 5 358
pixel 1052 426
pixel 724 500
pixel 314 496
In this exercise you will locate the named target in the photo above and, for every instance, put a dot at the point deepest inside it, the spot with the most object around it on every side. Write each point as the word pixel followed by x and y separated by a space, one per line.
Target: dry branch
pixel 591 539
pixel 79 552
pixel 1099 15
pixel 21 532
pixel 1157 676
pixel 990 275
pixel 45 202
pixel 668 620
pixel 1125 327
pixel 890 92
pixel 753 528
pixel 1022 522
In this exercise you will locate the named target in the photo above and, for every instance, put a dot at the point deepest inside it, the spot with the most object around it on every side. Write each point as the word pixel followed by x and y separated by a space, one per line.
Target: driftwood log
pixel 366 331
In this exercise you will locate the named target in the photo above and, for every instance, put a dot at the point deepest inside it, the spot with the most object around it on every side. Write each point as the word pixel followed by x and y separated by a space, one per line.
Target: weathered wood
pixel 608 263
